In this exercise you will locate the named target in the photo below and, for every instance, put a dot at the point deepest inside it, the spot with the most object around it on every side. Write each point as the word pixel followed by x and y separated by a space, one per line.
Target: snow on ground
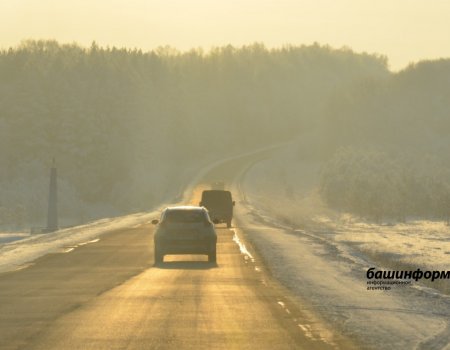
pixel 6 237
pixel 16 251
pixel 323 257
pixel 418 243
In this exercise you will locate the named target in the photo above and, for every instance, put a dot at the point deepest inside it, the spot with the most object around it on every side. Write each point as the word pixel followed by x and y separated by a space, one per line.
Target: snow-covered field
pixel 324 256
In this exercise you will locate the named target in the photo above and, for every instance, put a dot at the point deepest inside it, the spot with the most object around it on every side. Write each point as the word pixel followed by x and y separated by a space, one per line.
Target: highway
pixel 109 295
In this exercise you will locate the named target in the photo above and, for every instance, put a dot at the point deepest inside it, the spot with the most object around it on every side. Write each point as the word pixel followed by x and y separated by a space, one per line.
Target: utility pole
pixel 52 216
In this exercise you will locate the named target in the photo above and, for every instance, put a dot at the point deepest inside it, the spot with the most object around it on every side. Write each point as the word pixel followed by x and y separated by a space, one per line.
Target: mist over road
pixel 108 295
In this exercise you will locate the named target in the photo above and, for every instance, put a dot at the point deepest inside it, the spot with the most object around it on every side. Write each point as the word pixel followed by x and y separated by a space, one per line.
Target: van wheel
pixel 212 256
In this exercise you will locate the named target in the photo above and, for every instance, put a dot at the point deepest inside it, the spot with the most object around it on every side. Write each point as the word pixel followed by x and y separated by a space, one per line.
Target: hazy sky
pixel 404 30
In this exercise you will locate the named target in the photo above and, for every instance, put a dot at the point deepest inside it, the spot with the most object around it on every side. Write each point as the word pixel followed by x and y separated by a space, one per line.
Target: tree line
pixel 384 186
pixel 393 141
pixel 127 127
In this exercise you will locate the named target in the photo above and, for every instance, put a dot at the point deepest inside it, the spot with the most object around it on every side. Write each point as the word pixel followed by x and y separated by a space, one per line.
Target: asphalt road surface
pixel 109 295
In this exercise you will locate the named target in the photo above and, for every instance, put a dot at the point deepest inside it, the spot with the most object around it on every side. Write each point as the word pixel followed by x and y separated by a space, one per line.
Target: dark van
pixel 219 204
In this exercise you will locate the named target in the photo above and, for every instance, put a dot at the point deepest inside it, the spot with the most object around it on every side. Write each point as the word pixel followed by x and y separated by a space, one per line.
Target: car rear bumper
pixel 185 247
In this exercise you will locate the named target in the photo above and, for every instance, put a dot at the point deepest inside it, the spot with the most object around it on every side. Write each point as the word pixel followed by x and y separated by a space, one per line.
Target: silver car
pixel 185 230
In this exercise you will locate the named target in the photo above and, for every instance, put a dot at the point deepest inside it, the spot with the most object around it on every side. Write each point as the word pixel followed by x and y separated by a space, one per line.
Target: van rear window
pixel 216 195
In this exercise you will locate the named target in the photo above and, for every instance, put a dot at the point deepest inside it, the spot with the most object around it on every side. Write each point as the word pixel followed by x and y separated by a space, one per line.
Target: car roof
pixel 186 207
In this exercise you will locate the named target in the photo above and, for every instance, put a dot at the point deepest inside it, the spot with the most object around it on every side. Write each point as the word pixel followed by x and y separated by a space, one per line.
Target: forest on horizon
pixel 129 127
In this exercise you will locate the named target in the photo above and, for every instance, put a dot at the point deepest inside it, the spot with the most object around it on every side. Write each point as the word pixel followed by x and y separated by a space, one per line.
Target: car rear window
pixel 185 216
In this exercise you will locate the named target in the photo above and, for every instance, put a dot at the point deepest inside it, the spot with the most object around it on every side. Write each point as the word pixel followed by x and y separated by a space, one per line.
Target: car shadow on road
pixel 186 265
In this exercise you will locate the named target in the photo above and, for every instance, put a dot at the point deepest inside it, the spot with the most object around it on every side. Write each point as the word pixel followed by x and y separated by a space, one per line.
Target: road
pixel 109 295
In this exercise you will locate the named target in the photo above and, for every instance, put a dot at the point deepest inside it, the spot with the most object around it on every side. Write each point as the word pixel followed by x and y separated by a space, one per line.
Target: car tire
pixel 212 256
pixel 159 257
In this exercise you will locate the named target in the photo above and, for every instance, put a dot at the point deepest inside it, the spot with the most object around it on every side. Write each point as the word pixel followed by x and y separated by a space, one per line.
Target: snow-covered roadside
pixel 284 187
pixel 324 260
pixel 17 254
pixel 7 237
pixel 19 250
